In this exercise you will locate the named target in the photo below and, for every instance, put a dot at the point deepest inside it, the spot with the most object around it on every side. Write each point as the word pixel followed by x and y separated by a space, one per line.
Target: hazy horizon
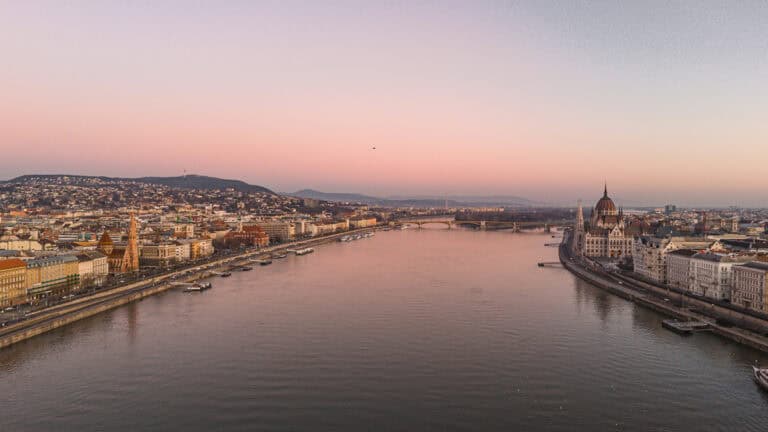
pixel 665 101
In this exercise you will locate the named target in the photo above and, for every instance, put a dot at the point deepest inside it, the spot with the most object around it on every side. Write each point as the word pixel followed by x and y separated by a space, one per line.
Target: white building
pixel 711 273
pixel 162 254
pixel 93 268
pixel 748 287
pixel 183 251
pixel 649 254
pixel 315 229
pixel 11 242
pixel 679 268
pixel 280 231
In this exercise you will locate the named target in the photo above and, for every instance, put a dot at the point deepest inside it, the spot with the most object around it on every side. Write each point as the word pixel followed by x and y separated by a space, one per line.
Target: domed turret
pixel 605 205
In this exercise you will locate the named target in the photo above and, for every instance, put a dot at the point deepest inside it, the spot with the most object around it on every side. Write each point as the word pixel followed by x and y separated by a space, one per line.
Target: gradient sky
pixel 667 101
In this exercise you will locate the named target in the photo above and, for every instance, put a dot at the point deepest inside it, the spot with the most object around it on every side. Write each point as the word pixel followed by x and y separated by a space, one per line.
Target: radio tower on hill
pixel 131 257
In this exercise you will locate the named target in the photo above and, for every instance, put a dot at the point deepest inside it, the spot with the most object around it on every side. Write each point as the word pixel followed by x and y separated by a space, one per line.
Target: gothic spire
pixel 579 217
pixel 605 191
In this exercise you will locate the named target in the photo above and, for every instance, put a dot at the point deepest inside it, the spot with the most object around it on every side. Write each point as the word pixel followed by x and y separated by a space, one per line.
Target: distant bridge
pixel 489 225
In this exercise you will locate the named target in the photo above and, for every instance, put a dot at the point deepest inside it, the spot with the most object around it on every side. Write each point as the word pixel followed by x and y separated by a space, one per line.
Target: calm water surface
pixel 408 331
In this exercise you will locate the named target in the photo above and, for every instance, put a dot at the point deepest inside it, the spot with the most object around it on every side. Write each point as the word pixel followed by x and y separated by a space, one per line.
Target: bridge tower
pixel 482 226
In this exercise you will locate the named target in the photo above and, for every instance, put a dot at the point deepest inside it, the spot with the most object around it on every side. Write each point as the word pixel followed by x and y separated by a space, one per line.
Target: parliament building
pixel 605 235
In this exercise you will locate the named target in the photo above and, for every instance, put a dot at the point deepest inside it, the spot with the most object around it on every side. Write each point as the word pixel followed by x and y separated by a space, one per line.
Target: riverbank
pixel 67 313
pixel 661 301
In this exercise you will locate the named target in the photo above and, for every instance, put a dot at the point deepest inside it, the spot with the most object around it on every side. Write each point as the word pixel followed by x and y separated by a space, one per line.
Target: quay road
pixel 660 300
pixel 53 317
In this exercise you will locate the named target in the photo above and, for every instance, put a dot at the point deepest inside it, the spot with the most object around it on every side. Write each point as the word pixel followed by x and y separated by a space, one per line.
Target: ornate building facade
pixel 605 236
pixel 122 257
pixel 131 259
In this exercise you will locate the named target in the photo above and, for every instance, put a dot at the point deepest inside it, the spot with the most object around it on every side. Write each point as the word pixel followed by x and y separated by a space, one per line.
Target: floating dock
pixel 684 327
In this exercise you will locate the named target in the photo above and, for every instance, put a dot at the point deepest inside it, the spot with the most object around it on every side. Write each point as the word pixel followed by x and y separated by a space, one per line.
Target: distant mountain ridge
pixel 191 181
pixel 331 196
pixel 419 201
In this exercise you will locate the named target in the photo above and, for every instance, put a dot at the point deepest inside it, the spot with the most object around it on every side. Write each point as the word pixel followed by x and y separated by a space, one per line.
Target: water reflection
pixel 415 330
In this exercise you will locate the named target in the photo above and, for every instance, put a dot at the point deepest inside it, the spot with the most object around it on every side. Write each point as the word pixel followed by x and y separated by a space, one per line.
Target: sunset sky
pixel 666 101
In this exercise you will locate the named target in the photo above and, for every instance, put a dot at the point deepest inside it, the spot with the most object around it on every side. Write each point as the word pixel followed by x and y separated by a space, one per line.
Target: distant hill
pixel 191 181
pixel 330 196
pixel 419 201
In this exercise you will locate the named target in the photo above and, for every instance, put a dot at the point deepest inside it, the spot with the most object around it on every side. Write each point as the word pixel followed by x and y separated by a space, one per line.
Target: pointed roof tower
pixel 131 258
pixel 105 244
pixel 579 218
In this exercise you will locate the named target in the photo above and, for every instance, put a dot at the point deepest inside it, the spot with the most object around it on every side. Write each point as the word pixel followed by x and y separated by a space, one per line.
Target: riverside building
pixel 649 255
pixel 279 231
pixel 679 268
pixel 93 268
pixel 711 274
pixel 13 282
pixel 749 288
pixel 52 276
pixel 605 235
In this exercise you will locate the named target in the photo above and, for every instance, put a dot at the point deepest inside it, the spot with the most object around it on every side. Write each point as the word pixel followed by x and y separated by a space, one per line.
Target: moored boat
pixel 761 377
pixel 304 251
pixel 197 287
pixel 226 274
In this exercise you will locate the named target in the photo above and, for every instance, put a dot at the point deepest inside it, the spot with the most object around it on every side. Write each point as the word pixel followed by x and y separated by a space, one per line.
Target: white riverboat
pixel 761 376
pixel 197 287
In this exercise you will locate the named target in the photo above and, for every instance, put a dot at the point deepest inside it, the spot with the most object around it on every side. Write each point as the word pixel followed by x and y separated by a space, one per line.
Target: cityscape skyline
pixel 361 215
pixel 479 199
pixel 534 99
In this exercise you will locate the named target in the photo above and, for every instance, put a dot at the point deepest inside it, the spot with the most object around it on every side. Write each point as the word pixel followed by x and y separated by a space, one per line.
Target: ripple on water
pixel 422 330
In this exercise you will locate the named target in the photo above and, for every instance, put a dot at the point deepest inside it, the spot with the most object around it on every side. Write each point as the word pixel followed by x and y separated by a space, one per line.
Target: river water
pixel 433 329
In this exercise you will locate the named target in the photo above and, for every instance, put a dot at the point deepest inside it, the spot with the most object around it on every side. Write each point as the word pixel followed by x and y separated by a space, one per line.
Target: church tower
pixel 105 245
pixel 131 257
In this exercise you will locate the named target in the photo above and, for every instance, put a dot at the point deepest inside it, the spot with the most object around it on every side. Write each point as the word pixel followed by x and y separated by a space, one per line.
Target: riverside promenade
pixel 63 314
pixel 659 300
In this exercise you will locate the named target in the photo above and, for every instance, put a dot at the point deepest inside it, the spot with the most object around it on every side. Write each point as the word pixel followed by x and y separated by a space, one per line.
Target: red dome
pixel 605 205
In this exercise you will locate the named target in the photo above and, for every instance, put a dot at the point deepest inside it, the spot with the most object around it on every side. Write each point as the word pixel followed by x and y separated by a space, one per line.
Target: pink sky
pixel 545 100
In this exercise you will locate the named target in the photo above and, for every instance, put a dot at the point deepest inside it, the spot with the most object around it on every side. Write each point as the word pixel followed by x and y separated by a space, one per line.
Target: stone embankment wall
pixel 750 329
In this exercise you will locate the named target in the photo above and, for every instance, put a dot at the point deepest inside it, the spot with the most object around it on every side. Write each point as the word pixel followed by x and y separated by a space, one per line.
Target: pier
pixel 684 327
